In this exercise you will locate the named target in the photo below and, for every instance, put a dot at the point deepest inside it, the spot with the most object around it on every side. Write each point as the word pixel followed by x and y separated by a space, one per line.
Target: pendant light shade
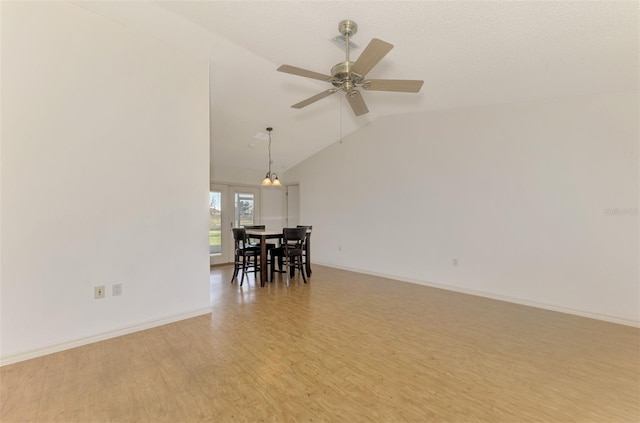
pixel 266 182
pixel 271 178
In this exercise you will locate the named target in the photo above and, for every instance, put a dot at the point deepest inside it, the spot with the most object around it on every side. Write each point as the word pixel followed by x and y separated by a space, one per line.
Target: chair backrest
pixel 239 237
pixel 308 228
pixel 294 237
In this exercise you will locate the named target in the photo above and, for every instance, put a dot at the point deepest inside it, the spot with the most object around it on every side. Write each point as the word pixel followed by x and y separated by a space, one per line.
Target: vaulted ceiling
pixel 468 53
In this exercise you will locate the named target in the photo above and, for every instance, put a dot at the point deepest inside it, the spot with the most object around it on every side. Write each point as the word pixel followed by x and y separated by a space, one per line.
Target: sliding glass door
pixel 215 222
pixel 244 203
pixel 218 236
pixel 229 206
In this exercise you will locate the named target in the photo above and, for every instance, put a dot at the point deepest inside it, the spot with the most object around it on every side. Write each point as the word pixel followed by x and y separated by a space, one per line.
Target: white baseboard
pixel 590 315
pixel 27 355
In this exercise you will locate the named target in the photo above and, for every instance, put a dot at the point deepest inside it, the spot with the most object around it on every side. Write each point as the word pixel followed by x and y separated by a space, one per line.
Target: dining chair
pixel 279 260
pixel 245 256
pixel 291 252
pixel 304 247
pixel 270 245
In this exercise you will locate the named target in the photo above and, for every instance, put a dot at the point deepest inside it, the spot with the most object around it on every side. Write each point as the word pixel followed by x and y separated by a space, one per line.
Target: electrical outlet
pixel 98 292
pixel 116 289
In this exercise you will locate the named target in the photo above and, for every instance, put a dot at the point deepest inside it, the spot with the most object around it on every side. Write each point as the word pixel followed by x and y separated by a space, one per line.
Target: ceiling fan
pixel 347 76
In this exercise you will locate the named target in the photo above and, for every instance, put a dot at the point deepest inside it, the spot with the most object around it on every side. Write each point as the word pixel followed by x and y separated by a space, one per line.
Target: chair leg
pixel 304 265
pixel 244 268
pixel 257 269
pixel 304 274
pixel 271 268
pixel 235 268
pixel 235 273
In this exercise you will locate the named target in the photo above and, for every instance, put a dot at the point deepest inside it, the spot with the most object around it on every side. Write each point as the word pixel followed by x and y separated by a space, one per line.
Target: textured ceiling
pixel 468 53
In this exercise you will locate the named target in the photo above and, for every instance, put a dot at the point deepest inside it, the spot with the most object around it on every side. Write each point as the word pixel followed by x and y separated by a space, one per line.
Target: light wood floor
pixel 344 348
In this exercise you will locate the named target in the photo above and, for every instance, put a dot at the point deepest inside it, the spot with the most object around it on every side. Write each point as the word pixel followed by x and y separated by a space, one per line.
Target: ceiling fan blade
pixel 303 72
pixel 372 54
pixel 401 85
pixel 357 103
pixel 313 99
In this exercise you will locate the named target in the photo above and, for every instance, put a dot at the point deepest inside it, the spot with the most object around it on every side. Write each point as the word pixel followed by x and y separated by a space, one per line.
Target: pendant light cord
pixel 269 129
pixel 270 178
pixel 269 153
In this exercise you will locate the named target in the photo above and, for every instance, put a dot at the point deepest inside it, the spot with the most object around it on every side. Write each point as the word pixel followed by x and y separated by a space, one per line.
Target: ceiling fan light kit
pixel 347 76
pixel 271 178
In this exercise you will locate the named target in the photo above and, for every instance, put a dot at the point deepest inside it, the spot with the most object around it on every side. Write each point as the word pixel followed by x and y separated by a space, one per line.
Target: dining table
pixel 264 235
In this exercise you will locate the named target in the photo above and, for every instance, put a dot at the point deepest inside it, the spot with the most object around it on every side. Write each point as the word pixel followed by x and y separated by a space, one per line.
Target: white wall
pixel 293 205
pixel 520 194
pixel 272 207
pixel 232 175
pixel 104 179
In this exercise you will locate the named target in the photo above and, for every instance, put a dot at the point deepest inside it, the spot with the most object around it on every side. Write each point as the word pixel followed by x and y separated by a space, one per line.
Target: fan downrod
pixel 341 74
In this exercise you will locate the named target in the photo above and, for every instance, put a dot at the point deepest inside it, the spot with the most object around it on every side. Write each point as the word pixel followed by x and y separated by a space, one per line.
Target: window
pixel 215 222
pixel 244 205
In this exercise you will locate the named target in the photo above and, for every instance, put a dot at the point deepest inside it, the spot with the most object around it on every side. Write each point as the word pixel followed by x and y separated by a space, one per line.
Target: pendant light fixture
pixel 271 178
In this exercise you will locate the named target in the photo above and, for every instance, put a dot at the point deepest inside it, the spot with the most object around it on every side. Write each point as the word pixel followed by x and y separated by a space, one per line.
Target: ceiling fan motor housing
pixel 343 78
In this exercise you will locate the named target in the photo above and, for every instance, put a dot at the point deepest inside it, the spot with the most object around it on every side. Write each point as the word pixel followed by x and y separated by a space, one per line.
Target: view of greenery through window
pixel 244 209
pixel 215 222
pixel 243 216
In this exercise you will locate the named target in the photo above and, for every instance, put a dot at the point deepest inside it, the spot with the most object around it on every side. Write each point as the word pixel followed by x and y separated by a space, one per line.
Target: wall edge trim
pixel 78 342
pixel 514 300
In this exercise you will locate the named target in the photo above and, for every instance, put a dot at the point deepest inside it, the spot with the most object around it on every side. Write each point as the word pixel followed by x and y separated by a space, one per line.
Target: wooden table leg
pixel 263 260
